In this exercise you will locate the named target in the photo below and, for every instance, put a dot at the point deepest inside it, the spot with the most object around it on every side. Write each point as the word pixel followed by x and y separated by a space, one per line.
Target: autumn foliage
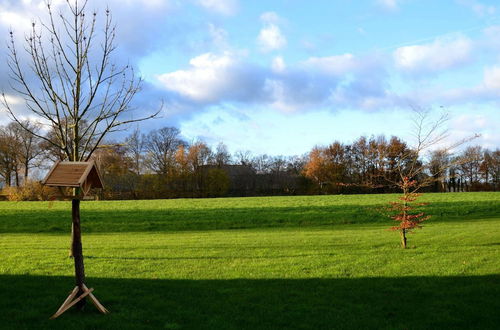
pixel 406 211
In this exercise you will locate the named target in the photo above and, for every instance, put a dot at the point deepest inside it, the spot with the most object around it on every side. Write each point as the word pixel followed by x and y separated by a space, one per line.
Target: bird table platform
pixel 82 176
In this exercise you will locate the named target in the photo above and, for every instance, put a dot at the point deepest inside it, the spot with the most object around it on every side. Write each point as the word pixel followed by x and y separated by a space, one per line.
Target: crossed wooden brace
pixel 71 301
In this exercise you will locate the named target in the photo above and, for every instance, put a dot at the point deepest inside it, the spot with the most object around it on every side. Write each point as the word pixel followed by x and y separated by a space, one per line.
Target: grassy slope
pixel 287 270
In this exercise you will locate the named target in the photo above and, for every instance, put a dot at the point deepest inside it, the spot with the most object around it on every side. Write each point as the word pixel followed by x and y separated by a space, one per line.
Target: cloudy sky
pixel 280 76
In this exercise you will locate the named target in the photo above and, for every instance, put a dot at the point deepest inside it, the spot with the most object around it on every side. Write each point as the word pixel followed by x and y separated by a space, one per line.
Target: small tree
pixel 407 212
pixel 410 174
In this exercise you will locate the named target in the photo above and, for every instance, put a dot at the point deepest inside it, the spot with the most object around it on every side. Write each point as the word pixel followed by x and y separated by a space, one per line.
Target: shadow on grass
pixel 398 303
pixel 147 220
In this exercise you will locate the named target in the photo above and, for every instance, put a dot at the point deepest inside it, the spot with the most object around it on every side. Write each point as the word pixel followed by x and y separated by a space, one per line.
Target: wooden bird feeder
pixel 82 176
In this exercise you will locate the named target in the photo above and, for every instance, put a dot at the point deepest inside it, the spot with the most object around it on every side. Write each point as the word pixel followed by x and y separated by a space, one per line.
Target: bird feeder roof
pixel 74 174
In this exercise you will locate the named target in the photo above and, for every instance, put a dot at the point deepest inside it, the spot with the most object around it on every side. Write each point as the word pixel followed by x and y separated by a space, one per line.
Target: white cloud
pixel 213 78
pixel 204 81
pixel 335 65
pixel 342 80
pixel 270 36
pixel 388 4
pixel 440 55
pixel 278 65
pixel 224 7
pixel 492 78
pixel 12 19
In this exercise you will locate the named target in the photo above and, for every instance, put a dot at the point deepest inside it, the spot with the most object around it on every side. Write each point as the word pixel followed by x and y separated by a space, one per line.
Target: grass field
pixel 273 262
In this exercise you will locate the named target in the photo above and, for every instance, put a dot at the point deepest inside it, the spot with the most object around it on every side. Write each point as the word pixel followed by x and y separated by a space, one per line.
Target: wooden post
pixel 77 252
pixel 82 176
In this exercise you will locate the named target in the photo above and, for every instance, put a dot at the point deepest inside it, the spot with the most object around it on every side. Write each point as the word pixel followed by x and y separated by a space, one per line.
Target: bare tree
pixel 134 150
pixel 243 157
pixel 161 146
pixel 439 159
pixel 28 143
pixel 9 155
pixel 222 156
pixel 70 81
pixel 470 164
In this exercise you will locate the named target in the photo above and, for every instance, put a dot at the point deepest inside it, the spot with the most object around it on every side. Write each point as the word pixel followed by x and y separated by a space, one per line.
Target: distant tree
pixel 261 163
pixel 222 155
pixel 161 147
pixel 438 163
pixel 495 169
pixel 243 157
pixel 470 164
pixel 134 147
pixel 9 155
pixel 359 158
pixel 316 168
pixel 50 150
pixel 278 165
pixel 116 169
pixel 28 144
pixel 296 164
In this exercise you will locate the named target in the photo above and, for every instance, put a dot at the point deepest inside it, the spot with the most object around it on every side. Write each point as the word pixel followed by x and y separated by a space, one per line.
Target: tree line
pixel 161 164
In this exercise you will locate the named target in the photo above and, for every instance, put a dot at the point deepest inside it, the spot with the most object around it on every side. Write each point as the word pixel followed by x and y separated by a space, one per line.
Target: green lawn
pixel 274 262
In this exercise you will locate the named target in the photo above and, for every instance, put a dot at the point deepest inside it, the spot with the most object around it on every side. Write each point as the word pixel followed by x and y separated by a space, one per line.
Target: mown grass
pixel 233 213
pixel 280 262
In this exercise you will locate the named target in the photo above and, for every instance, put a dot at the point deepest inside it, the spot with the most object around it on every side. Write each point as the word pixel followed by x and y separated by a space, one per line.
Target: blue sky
pixel 281 76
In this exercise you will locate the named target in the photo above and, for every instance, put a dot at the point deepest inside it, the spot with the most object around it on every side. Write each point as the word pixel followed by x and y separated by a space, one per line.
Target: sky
pixel 282 76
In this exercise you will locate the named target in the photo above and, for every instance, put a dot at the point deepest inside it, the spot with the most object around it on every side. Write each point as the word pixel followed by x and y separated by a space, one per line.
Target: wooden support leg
pixel 96 302
pixel 71 304
pixel 71 301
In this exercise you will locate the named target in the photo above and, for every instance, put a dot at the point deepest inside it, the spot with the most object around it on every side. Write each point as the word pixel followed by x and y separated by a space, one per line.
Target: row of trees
pixel 374 164
pixel 161 164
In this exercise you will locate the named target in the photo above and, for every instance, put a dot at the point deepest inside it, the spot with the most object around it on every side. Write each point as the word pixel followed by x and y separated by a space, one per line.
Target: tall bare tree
pixel 70 81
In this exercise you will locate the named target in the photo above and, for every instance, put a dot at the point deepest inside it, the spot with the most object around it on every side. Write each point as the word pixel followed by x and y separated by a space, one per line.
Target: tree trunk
pixel 16 174
pixel 26 171
pixel 77 251
pixel 8 178
pixel 403 239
